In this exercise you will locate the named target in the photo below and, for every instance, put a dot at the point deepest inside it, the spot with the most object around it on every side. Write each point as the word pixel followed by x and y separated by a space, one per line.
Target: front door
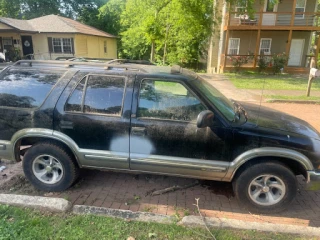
pixel 164 137
pixel 93 117
pixel 27 46
pixel 269 17
pixel 296 51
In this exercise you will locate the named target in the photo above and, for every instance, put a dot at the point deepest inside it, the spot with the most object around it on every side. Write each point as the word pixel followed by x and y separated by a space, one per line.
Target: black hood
pixel 269 118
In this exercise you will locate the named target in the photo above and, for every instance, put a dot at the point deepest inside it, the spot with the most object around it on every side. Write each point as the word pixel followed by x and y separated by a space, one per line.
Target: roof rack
pixel 126 61
pixel 70 64
pixel 176 69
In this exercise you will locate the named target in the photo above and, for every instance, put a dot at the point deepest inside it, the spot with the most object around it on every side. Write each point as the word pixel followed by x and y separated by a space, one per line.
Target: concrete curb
pixel 123 214
pixel 36 202
pixel 195 221
pixel 293 101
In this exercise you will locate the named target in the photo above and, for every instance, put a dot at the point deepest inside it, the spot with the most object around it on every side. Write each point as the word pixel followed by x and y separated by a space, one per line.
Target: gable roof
pixel 54 24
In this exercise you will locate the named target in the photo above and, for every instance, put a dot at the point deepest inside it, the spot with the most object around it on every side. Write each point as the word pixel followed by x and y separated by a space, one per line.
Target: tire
pixel 49 167
pixel 267 187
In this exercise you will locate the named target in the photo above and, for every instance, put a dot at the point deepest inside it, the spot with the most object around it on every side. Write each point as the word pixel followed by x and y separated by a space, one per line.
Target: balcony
pixel 274 21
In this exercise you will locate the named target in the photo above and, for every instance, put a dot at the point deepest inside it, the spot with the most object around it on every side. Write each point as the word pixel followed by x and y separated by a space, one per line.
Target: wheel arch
pixel 294 160
pixel 35 135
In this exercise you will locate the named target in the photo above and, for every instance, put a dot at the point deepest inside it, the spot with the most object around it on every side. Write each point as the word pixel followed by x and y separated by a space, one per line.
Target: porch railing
pixel 310 19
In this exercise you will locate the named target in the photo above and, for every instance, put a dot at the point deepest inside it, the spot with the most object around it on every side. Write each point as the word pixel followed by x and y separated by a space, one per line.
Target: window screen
pixel 26 88
pixel 265 46
pixel 168 100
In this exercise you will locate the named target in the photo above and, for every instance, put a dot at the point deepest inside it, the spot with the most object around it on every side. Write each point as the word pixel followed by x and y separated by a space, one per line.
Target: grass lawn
pixel 285 97
pixel 253 80
pixel 17 223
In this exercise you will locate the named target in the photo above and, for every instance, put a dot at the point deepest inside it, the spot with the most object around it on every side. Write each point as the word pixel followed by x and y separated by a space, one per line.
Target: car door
pixel 92 112
pixel 164 137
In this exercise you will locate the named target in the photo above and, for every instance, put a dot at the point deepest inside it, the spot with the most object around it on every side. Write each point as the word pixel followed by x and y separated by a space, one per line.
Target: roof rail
pixel 126 61
pixel 129 67
pixel 176 69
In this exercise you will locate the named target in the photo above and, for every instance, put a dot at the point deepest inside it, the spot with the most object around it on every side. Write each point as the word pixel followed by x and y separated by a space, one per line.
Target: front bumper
pixel 313 180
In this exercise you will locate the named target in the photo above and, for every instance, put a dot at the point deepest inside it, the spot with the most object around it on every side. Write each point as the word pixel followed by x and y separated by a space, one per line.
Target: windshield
pixel 223 104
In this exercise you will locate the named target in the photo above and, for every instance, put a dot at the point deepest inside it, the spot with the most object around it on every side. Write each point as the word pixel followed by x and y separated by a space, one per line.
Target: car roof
pixel 118 67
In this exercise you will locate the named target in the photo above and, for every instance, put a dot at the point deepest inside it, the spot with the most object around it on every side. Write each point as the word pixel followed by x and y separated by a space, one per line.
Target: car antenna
pixel 262 91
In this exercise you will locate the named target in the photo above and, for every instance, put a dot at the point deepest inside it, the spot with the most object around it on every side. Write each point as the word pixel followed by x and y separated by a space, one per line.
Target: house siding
pixel 4 27
pixel 93 47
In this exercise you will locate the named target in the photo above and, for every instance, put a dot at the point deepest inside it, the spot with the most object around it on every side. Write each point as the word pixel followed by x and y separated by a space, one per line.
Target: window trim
pixel 261 44
pixel 62 46
pixel 167 80
pixel 238 48
pixel 85 92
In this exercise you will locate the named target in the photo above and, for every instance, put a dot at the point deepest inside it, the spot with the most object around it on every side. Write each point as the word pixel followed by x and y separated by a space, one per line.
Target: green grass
pixel 252 80
pixel 16 223
pixel 285 97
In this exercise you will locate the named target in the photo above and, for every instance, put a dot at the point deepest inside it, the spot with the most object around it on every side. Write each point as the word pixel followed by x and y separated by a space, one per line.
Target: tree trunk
pixel 153 46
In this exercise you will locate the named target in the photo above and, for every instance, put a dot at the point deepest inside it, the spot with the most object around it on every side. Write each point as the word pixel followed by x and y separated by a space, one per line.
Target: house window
pixel 270 5
pixel 240 8
pixel 234 46
pixel 265 46
pixel 62 45
pixel 105 46
pixel 300 8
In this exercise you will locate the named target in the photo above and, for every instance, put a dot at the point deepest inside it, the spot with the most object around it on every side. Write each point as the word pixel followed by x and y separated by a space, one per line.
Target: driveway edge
pixel 124 214
pixel 195 221
pixel 292 101
pixel 36 202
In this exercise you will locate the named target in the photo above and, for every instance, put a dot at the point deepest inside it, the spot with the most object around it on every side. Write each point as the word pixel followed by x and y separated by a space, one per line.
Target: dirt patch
pixel 219 188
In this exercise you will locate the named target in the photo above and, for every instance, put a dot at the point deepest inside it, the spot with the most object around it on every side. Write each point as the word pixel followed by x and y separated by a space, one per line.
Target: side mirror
pixel 205 119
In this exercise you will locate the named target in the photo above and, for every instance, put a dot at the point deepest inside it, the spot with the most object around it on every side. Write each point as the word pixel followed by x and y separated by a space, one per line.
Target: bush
pixel 278 61
pixel 238 61
pixel 263 62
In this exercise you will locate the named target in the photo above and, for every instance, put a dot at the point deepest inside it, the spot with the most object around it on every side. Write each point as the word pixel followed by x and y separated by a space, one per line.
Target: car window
pixel 27 88
pixel 103 95
pixel 168 100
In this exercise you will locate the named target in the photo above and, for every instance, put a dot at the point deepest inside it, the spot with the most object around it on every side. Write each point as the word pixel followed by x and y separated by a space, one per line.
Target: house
pixel 282 26
pixel 52 36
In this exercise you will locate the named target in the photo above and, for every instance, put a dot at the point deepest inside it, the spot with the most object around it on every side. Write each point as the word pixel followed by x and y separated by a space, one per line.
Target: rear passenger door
pixel 91 113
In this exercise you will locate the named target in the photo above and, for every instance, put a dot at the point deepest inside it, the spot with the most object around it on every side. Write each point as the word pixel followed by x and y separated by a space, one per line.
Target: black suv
pixel 62 116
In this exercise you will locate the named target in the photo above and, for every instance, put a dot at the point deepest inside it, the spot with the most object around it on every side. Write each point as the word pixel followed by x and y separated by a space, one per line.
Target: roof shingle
pixel 54 24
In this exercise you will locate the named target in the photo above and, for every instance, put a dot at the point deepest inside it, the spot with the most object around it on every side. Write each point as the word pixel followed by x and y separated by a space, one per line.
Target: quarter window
pixel 103 95
pixel 26 88
pixel 62 45
pixel 168 100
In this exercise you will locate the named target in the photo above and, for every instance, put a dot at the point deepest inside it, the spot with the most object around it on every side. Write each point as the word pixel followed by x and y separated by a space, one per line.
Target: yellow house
pixel 52 36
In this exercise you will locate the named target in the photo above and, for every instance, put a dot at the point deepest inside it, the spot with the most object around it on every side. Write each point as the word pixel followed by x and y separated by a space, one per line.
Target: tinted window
pixel 26 88
pixel 168 100
pixel 75 100
pixel 104 94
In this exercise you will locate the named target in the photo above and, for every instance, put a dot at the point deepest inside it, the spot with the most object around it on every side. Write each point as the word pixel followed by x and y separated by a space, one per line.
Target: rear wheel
pixel 49 167
pixel 266 187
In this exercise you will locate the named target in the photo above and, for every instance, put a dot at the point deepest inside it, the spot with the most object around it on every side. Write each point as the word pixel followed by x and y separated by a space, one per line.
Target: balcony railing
pixel 310 19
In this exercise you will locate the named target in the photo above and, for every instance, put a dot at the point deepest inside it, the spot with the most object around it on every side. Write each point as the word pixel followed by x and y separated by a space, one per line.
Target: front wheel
pixel 266 187
pixel 49 167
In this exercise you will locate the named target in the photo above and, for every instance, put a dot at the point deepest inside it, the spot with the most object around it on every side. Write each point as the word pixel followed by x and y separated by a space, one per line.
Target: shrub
pixel 238 61
pixel 263 62
pixel 278 61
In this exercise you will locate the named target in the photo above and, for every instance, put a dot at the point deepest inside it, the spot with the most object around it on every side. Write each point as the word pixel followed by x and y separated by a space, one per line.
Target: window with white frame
pixel 240 8
pixel 265 46
pixel 62 45
pixel 234 46
pixel 300 8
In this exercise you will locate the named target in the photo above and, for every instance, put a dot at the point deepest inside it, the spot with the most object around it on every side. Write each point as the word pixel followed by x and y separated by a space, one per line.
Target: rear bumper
pixel 313 180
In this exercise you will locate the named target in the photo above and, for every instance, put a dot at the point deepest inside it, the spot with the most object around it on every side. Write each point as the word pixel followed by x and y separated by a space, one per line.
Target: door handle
pixel 66 124
pixel 139 131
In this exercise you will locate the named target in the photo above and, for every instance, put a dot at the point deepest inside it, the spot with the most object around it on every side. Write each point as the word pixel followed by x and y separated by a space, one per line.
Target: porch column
pixel 226 49
pixel 316 54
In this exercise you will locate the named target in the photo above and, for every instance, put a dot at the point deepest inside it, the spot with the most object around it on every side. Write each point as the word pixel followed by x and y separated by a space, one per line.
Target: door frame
pixel 301 52
pixel 22 44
